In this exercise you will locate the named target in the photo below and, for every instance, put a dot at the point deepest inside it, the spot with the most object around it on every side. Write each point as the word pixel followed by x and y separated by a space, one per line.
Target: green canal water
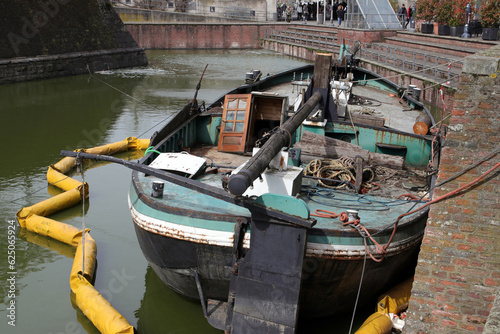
pixel 38 119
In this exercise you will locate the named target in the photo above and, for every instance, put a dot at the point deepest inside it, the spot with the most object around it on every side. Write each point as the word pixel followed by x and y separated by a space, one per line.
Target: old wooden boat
pixel 269 206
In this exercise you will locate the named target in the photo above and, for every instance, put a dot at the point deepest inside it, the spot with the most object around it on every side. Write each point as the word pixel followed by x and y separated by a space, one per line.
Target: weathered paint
pixel 201 216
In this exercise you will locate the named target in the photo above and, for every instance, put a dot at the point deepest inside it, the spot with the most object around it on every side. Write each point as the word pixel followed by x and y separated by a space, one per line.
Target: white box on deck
pixel 288 181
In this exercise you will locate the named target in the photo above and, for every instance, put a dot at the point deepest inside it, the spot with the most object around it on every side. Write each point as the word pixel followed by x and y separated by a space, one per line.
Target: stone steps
pixel 409 54
pixel 315 29
pixel 439 72
pixel 430 57
pixel 432 47
pixel 466 43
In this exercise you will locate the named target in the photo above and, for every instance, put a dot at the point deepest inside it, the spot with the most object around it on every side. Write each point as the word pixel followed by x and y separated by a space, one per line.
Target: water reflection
pixel 164 310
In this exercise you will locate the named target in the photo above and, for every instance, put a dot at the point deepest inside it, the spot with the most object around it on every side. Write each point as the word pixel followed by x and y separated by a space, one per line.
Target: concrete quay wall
pixel 44 67
pixel 138 15
pixel 43 39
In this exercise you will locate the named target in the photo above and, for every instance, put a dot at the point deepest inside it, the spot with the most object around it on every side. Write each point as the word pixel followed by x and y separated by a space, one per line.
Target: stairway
pixel 434 58
pixel 429 57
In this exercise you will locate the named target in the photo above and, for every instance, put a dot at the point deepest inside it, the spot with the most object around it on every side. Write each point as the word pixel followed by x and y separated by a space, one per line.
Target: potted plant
pixel 426 12
pixel 456 27
pixel 443 15
pixel 490 18
pixel 458 18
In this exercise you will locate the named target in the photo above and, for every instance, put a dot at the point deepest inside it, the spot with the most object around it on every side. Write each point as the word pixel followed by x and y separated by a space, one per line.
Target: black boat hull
pixel 329 287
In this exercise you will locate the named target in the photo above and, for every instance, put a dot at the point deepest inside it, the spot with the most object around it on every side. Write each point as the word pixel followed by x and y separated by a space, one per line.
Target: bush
pixel 426 10
pixel 490 13
pixel 458 14
pixel 444 11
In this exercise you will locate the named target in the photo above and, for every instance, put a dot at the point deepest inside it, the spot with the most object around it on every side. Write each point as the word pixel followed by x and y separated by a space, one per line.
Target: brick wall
pixel 458 272
pixel 197 35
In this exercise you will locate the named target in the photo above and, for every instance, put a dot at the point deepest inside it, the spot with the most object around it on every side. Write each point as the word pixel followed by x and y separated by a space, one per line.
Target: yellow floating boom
pixel 393 301
pixel 33 218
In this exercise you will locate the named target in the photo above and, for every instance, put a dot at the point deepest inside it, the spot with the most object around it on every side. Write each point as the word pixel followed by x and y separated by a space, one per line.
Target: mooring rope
pixel 359 288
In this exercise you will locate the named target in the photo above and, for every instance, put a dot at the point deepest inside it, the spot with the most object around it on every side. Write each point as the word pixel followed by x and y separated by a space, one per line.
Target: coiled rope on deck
pixel 340 170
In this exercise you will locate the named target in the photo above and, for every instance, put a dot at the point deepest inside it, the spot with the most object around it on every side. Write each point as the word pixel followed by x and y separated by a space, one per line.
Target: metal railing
pixel 190 7
pixel 302 38
pixel 433 67
pixel 429 65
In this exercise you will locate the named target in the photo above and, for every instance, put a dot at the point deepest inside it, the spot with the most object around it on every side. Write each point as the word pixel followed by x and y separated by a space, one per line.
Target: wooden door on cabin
pixel 235 119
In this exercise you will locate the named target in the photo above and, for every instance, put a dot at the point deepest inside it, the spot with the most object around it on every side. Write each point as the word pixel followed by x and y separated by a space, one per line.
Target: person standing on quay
pixel 340 14
pixel 408 18
pixel 402 15
pixel 334 10
pixel 288 13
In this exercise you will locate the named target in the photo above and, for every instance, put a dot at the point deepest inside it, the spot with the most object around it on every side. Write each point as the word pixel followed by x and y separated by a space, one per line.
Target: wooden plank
pixel 316 139
pixel 388 160
pixel 312 144
pixel 332 152
pixel 368 120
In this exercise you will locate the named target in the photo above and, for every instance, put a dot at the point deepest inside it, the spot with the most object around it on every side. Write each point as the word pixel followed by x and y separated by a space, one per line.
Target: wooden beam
pixel 322 68
pixel 312 144
pixel 368 120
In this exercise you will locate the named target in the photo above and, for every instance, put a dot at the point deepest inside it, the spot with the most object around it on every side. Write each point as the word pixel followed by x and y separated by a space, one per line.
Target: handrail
pixel 323 42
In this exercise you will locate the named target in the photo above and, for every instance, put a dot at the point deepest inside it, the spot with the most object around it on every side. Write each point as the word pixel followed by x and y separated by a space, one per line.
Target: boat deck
pixel 365 101
pixel 378 208
pixel 373 205
pixel 396 113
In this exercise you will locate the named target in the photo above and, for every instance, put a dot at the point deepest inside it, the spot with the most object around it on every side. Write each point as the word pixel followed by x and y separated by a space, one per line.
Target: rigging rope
pixel 443 197
pixel 364 233
pixel 381 249
pixel 356 224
